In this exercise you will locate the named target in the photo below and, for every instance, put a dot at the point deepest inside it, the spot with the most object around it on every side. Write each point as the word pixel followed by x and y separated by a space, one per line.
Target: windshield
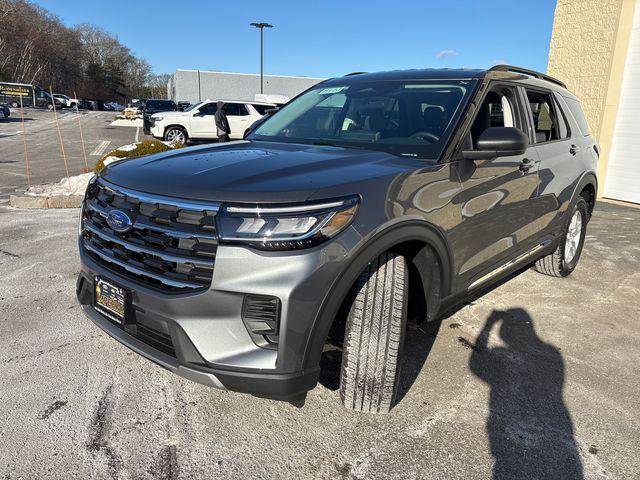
pixel 409 118
pixel 192 106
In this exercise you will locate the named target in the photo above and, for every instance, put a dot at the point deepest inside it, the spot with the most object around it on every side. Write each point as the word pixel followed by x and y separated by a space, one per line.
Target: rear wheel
pixel 374 336
pixel 49 106
pixel 14 104
pixel 564 258
pixel 175 134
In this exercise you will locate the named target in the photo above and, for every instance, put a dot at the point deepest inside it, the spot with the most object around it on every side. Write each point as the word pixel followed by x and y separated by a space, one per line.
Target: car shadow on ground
pixel 15 119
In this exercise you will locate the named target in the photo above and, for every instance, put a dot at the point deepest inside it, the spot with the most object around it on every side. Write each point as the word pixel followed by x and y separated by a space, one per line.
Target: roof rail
pixel 533 73
pixel 354 73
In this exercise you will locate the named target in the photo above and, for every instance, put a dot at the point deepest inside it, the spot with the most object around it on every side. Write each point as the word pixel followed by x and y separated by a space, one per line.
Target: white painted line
pixel 137 134
pixel 100 148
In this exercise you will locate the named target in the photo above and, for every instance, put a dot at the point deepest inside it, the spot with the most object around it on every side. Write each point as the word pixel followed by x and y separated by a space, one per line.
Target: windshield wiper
pixel 339 145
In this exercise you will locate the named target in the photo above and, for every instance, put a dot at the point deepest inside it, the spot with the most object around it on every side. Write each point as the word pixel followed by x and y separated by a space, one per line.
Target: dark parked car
pixel 152 106
pixel 183 105
pixel 367 200
pixel 5 112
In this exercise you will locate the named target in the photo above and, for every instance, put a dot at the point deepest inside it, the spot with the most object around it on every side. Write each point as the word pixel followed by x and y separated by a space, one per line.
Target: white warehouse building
pixel 196 85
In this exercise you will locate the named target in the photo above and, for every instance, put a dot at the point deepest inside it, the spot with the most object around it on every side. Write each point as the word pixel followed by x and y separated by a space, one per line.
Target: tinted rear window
pixel 576 111
pixel 160 105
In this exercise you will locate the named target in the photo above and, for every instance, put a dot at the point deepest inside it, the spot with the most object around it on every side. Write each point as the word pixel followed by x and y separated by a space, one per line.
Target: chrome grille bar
pixel 149 251
pixel 141 271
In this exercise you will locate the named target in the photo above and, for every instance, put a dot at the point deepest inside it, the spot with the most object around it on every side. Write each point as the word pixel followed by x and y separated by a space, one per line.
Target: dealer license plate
pixel 110 299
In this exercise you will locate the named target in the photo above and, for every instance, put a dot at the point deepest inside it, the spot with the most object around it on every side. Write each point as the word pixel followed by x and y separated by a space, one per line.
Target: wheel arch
pixel 177 125
pixel 428 253
pixel 588 184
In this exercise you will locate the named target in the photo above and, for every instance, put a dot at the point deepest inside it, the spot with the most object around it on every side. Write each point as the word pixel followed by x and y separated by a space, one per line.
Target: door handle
pixel 526 164
pixel 574 149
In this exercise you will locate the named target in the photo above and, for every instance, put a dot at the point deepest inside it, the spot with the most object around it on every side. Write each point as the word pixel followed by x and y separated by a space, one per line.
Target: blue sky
pixel 322 38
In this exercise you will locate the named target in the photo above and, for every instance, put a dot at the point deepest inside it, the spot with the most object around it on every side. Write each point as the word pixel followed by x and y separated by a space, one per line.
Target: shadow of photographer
pixel 529 427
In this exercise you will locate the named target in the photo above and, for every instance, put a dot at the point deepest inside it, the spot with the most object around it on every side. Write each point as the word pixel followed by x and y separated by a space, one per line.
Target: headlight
pixel 156 119
pixel 285 227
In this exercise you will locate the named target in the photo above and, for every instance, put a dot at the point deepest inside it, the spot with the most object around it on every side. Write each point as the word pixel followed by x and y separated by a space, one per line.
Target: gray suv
pixel 366 200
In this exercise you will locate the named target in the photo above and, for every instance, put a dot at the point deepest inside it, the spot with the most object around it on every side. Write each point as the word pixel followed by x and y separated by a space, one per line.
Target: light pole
pixel 261 26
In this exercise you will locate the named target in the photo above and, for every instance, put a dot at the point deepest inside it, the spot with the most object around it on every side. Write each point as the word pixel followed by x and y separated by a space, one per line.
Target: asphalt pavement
pixel 536 378
pixel 46 162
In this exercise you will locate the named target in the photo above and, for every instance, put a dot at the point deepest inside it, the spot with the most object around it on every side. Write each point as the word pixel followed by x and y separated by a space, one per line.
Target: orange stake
pixel 24 141
pixel 84 151
pixel 64 156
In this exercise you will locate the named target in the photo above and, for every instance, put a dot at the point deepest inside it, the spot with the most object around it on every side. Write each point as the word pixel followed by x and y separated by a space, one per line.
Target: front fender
pixel 385 239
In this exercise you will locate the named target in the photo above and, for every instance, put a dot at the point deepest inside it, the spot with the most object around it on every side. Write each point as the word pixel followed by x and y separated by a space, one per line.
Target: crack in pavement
pixel 98 442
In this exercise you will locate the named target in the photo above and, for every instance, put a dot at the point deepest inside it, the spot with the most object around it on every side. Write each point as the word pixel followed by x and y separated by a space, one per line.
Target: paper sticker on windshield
pixel 329 91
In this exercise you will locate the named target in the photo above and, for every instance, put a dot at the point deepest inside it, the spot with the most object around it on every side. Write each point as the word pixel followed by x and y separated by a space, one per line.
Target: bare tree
pixel 36 47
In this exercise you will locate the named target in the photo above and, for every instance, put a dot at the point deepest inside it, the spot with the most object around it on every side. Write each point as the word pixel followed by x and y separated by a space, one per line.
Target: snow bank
pixel 78 186
pixel 127 122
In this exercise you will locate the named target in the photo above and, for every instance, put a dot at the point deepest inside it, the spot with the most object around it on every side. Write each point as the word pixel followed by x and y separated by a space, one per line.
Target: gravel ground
pixel 538 378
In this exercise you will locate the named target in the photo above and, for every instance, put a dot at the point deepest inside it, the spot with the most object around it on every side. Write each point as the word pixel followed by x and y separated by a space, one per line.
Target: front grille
pixel 171 246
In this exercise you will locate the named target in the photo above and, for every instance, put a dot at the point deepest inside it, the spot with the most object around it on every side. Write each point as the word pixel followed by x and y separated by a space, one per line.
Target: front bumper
pixel 156 131
pixel 212 344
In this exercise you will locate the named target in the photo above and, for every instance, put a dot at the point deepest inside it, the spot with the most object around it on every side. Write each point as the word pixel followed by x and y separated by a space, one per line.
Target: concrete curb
pixel 55 201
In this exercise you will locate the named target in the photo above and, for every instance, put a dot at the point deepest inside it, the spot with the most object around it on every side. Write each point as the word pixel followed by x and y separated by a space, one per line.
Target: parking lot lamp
pixel 261 26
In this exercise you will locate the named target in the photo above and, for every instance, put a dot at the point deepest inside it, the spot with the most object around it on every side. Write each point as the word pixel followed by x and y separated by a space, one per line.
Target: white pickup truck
pixel 198 122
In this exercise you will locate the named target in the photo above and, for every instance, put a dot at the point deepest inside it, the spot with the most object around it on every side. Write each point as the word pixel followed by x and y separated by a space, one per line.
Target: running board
pixel 508 265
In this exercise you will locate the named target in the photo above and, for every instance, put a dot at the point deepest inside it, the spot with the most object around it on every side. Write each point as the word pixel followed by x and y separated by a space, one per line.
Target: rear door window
pixel 563 126
pixel 548 123
pixel 236 109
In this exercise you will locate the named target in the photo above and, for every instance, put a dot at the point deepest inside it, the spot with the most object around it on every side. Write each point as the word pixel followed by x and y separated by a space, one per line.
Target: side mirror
pixel 498 142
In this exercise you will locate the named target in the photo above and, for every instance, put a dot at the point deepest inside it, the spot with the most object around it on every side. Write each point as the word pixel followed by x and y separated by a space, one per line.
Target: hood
pixel 247 171
pixel 170 113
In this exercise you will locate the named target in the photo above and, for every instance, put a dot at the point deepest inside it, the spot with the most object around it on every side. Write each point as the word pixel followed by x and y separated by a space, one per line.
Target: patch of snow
pixel 127 148
pixel 77 183
pixel 111 159
pixel 126 122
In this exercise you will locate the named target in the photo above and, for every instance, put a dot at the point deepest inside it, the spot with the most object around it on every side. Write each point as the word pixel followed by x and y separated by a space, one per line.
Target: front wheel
pixel 49 106
pixel 564 258
pixel 175 134
pixel 374 336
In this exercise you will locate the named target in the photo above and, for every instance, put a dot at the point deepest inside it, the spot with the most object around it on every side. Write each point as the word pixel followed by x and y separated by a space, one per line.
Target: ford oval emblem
pixel 119 221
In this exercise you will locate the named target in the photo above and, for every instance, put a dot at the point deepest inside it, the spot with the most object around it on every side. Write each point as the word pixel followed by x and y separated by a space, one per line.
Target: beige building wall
pixel 588 51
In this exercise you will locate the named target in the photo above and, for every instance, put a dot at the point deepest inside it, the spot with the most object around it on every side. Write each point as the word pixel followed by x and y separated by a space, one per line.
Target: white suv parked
pixel 198 121
pixel 66 101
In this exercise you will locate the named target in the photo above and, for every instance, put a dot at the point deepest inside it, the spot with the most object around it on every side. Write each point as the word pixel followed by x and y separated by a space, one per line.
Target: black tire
pixel 375 335
pixel 174 129
pixel 555 264
pixel 49 106
pixel 14 104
